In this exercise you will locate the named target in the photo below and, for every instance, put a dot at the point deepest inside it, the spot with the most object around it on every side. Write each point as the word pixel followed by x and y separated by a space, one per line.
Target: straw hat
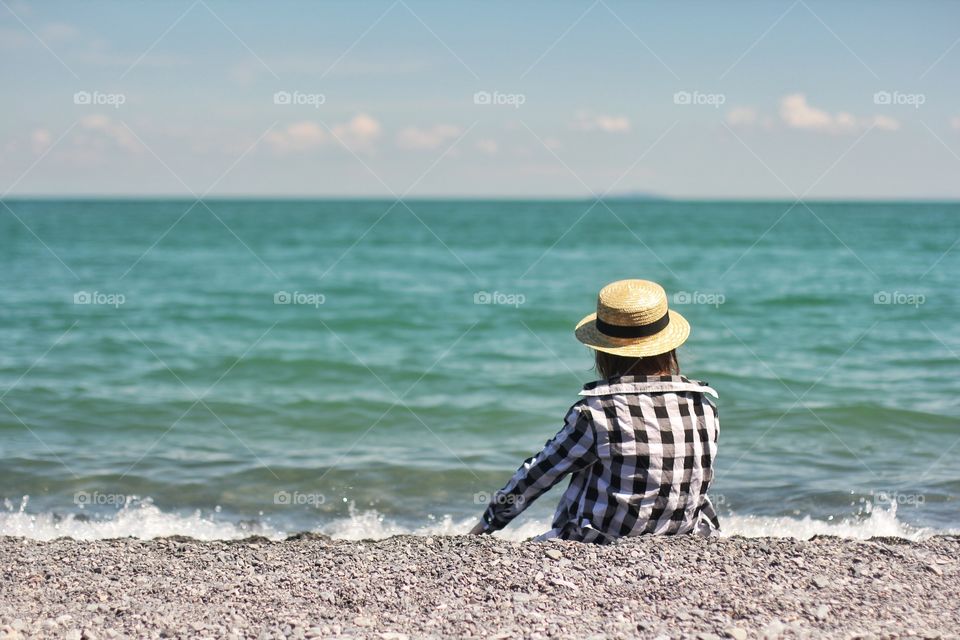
pixel 632 320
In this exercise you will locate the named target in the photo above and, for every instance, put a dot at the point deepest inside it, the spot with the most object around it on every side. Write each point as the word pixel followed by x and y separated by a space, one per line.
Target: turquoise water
pixel 183 398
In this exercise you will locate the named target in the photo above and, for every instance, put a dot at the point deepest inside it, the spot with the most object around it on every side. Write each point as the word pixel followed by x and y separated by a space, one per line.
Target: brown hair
pixel 609 365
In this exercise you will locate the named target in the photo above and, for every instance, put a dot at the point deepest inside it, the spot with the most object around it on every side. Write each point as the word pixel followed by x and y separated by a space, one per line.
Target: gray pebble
pixel 821 582
pixel 453 587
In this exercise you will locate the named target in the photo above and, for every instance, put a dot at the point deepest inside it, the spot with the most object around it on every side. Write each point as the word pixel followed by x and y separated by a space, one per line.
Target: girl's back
pixel 656 441
pixel 641 442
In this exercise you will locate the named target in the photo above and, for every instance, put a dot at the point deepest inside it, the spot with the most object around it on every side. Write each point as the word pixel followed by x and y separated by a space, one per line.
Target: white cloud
pixel 40 140
pixel 359 131
pixel 22 8
pixel 116 132
pixel 955 122
pixel 432 138
pixel 11 38
pixel 244 74
pixel 95 139
pixel 613 123
pixel 606 123
pixel 20 38
pixel 797 113
pixel 741 116
pixel 58 32
pixel 298 136
pixel 886 123
pixel 488 146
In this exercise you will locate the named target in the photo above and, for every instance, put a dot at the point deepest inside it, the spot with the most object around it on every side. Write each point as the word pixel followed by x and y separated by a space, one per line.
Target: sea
pixel 364 368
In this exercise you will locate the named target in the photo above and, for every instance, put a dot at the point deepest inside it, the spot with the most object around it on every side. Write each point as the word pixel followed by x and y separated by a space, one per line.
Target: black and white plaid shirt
pixel 641 452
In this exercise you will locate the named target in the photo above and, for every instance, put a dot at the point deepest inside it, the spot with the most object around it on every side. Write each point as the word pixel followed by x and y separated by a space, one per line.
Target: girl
pixel 640 443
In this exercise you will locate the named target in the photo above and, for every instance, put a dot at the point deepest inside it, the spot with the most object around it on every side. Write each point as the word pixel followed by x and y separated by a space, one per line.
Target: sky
pixel 765 100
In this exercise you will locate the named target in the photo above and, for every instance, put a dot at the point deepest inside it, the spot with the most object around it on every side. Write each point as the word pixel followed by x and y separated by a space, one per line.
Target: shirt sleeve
pixel 572 449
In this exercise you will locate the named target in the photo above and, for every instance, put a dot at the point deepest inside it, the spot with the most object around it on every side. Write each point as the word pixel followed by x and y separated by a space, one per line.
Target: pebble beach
pixel 311 586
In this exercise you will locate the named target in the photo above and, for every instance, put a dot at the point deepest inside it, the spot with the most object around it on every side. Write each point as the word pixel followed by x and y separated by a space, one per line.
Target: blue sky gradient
pixel 791 99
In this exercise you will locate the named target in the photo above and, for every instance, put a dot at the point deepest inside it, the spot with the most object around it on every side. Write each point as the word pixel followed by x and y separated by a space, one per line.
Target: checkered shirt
pixel 640 450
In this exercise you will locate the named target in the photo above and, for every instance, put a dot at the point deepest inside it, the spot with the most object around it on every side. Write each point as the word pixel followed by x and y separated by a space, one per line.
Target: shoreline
pixel 145 520
pixel 458 586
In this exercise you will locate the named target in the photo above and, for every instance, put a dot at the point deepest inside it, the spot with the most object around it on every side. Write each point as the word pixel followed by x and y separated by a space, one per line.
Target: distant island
pixel 635 196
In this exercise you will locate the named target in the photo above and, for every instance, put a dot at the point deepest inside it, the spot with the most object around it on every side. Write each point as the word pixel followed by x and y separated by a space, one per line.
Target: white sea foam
pixel 879 523
pixel 143 519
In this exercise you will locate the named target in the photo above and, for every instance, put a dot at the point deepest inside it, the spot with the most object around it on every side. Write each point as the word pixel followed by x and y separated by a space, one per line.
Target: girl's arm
pixel 572 449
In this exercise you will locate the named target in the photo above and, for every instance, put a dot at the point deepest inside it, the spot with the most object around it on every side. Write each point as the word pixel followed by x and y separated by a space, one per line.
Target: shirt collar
pixel 645 384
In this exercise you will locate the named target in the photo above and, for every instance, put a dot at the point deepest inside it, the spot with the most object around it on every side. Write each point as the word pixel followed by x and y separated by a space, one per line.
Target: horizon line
pixel 477 198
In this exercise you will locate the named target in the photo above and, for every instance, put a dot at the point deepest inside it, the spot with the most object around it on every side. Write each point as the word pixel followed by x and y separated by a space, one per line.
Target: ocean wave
pixel 144 520
pixel 880 523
